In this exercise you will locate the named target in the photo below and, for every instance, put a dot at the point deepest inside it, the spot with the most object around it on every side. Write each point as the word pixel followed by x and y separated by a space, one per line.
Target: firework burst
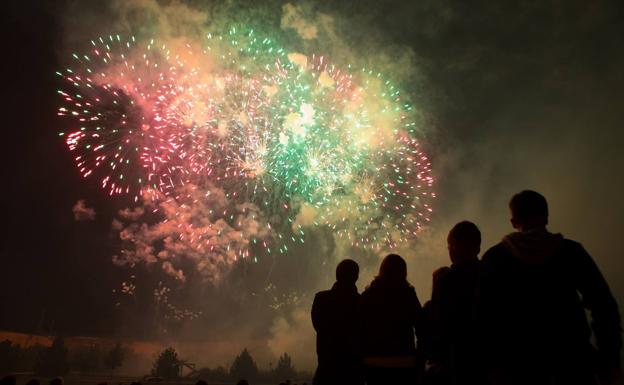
pixel 275 132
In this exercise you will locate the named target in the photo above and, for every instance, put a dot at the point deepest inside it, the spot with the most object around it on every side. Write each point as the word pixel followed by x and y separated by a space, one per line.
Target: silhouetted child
pixel 453 331
pixel 390 316
pixel 535 289
pixel 334 316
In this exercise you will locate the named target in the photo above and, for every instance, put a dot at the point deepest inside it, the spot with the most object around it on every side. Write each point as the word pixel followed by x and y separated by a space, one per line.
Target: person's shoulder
pixel 494 253
pixel 366 292
pixel 441 272
pixel 323 294
pixel 570 244
pixel 574 251
pixel 370 292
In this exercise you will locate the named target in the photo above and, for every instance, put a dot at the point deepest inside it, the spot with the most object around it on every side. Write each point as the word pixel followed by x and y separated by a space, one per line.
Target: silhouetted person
pixel 535 289
pixel 390 316
pixel 57 381
pixel 334 316
pixel 33 381
pixel 242 382
pixel 453 340
pixel 201 382
pixel 428 338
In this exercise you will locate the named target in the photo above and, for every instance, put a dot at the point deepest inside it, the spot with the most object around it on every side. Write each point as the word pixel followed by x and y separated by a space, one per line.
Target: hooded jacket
pixel 535 289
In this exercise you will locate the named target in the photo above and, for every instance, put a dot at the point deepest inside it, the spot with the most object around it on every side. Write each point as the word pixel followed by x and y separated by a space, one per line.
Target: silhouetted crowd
pixel 517 316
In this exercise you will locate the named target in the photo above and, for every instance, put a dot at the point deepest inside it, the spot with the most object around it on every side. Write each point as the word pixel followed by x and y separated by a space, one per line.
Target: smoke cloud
pixel 533 107
pixel 83 213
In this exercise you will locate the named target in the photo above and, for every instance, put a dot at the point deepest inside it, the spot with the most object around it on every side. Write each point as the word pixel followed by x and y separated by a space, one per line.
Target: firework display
pixel 278 134
pixel 120 97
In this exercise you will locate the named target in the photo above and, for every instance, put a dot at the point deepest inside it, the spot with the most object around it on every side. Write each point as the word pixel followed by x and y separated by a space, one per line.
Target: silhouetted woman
pixel 390 313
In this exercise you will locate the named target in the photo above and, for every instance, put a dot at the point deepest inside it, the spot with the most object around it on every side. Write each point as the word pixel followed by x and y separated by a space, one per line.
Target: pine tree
pixel 284 369
pixel 86 360
pixel 53 361
pixel 167 364
pixel 114 358
pixel 244 367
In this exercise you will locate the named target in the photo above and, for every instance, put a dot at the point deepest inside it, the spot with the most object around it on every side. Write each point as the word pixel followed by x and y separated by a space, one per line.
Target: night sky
pixel 514 96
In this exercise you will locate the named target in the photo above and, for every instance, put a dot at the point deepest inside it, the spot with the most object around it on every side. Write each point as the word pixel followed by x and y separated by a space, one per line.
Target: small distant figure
pixel 334 316
pixel 535 289
pixel 391 316
pixel 8 380
pixel 453 333
pixel 57 381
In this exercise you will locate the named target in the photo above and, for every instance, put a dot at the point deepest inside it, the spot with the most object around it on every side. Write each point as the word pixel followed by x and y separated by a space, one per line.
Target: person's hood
pixel 533 246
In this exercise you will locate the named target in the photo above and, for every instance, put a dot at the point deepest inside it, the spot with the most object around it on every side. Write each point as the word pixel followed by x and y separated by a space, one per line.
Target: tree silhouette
pixel 284 369
pixel 53 361
pixel 9 355
pixel 244 367
pixel 28 357
pixel 86 360
pixel 167 365
pixel 114 358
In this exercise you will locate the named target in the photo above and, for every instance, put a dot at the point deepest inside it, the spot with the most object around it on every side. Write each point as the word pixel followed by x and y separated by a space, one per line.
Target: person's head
pixel 347 271
pixel 464 242
pixel 393 269
pixel 57 381
pixel 529 210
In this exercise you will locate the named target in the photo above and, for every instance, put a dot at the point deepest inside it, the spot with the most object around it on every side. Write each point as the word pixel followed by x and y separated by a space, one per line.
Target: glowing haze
pixel 241 149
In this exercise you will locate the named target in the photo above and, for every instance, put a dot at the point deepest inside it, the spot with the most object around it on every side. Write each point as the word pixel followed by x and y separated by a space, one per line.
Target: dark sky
pixel 56 272
pixel 525 95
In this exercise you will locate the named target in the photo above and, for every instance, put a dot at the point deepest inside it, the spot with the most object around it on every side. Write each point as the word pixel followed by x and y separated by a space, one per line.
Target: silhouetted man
pixel 535 289
pixel 453 308
pixel 334 316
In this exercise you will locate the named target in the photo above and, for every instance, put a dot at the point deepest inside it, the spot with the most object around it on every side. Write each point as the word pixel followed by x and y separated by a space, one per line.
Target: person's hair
pixel 466 233
pixel 347 271
pixel 393 268
pixel 529 208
